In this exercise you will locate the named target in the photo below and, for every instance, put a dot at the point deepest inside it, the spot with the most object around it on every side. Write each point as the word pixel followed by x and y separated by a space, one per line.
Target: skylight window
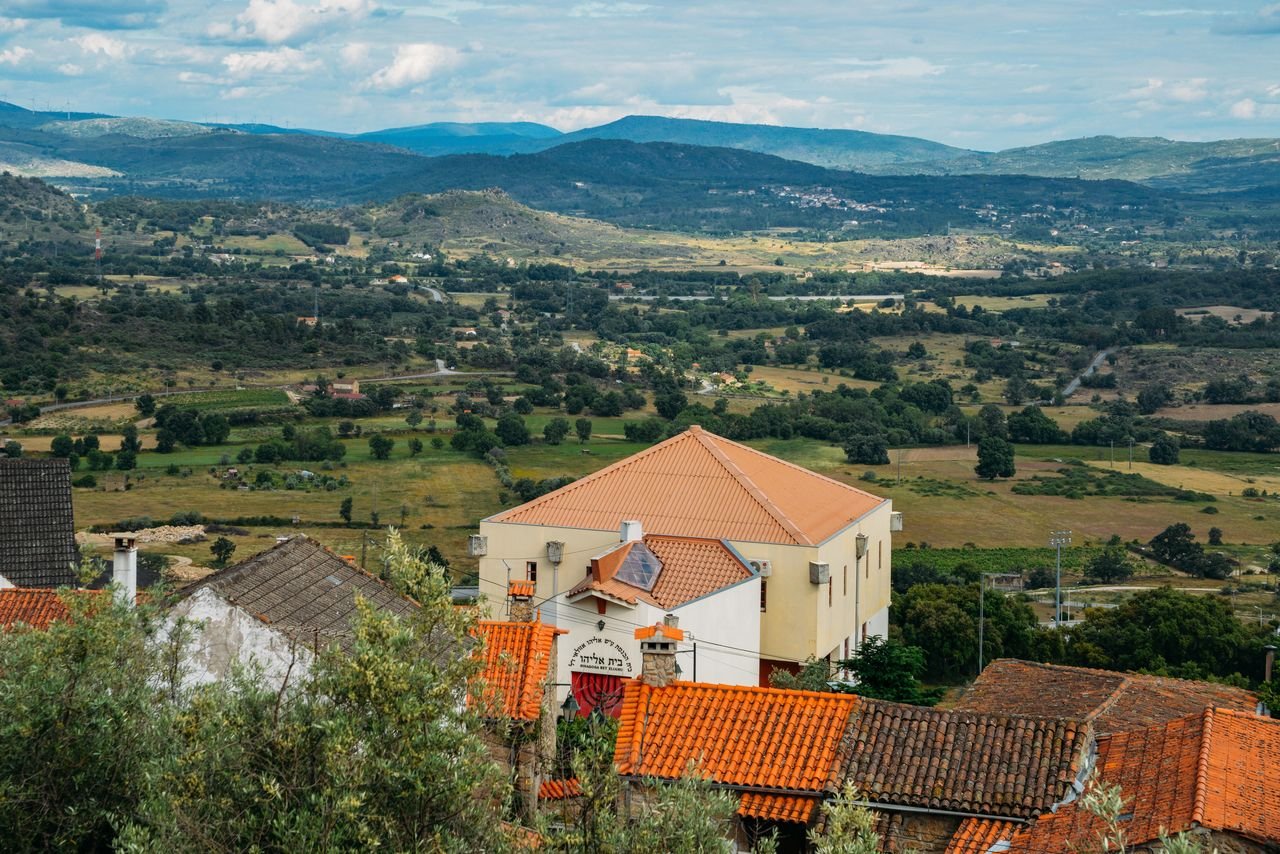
pixel 640 567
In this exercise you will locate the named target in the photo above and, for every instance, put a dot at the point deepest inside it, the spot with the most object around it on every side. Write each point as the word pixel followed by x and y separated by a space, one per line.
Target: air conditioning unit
pixel 819 572
pixel 763 568
pixel 477 545
pixel 895 522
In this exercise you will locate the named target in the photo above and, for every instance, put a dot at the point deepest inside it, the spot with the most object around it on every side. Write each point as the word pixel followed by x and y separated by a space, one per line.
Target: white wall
pixel 726 628
pixel 225 636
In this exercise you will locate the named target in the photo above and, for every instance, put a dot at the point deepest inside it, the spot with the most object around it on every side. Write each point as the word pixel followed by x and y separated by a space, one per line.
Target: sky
pixel 973 74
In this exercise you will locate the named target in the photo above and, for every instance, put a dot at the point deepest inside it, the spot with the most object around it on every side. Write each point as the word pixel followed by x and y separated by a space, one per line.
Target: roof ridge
pixel 799 468
pixel 1202 766
pixel 749 485
pixel 591 478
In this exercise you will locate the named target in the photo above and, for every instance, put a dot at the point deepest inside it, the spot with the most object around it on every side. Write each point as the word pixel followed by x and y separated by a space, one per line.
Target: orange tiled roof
pixel 668 632
pixel 559 790
pixel 978 835
pixel 1112 701
pixel 993 765
pixel 697 484
pixel 34 607
pixel 517 664
pixel 691 568
pixel 521 588
pixel 793 808
pixel 1219 769
pixel 737 735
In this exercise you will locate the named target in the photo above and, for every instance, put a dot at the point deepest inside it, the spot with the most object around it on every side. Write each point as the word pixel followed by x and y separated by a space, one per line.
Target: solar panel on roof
pixel 639 568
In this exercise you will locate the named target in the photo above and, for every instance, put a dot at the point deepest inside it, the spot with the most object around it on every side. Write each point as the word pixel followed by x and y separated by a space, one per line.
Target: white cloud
pixel 70 69
pixel 899 68
pixel 14 55
pixel 13 25
pixel 1246 108
pixel 355 53
pixel 1189 91
pixel 413 64
pixel 289 22
pixel 97 43
pixel 607 10
pixel 285 60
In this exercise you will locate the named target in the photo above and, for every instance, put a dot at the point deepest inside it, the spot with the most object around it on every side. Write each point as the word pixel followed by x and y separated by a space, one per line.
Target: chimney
pixel 521 595
pixel 124 570
pixel 658 652
pixel 632 531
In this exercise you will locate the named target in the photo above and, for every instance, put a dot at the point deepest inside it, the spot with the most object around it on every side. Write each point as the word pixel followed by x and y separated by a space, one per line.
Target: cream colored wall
pixel 516 544
pixel 799 623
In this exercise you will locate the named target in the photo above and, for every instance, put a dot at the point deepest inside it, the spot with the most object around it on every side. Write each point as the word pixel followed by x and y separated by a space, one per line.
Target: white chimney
pixel 632 531
pixel 124 570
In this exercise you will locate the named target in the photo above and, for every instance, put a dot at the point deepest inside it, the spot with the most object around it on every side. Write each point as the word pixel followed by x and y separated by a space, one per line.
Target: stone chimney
pixel 521 595
pixel 658 652
pixel 124 570
pixel 632 531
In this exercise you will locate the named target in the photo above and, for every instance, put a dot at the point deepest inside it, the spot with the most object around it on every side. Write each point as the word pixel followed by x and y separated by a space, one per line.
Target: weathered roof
pixel 697 484
pixel 37 527
pixel 741 736
pixel 996 765
pixel 304 589
pixel 691 568
pixel 1218 769
pixel 517 665
pixel 36 608
pixel 559 790
pixel 1112 701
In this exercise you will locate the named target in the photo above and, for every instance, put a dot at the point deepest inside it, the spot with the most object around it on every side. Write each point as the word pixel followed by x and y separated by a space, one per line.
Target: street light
pixel 1058 539
pixel 569 708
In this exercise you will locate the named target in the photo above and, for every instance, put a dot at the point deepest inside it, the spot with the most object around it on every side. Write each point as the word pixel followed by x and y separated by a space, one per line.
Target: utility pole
pixel 1130 453
pixel 1058 539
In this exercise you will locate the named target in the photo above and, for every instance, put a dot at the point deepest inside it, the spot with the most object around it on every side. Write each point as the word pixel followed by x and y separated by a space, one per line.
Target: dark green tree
pixel 887 669
pixel 1112 564
pixel 146 405
pixel 380 446
pixel 583 428
pixel 1164 450
pixel 222 550
pixel 995 458
pixel 555 430
pixel 344 509
pixel 511 430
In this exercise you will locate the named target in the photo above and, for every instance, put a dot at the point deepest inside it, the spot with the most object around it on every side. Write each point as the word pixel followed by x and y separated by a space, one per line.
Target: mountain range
pixel 1215 166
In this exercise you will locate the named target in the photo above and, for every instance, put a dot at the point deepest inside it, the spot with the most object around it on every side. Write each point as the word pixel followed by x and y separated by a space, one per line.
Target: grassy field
pixel 206 401
pixel 796 380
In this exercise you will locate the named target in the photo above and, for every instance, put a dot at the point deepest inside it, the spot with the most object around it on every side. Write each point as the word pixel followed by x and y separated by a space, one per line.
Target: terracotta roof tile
pixel 697 484
pixel 559 790
pixel 1219 769
pixel 792 808
pixel 36 608
pixel 692 567
pixel 1112 701
pixel 979 835
pixel 668 632
pixel 517 665
pixel 739 736
pixel 995 765
pixel 524 589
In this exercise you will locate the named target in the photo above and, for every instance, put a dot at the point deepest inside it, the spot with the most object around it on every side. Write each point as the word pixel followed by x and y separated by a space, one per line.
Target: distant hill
pixel 441 138
pixel 14 116
pixel 1232 163
pixel 840 149
pixel 134 127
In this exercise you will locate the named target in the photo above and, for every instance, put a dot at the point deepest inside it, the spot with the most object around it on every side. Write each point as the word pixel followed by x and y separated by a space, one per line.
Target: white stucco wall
pixel 225 636
pixel 725 629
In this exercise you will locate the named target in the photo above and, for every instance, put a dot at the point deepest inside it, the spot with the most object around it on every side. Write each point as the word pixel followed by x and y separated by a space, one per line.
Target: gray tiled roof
pixel 37 530
pixel 303 589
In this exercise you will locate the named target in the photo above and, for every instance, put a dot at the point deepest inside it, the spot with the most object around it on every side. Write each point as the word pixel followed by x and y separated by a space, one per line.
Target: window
pixel 864 633
pixel 846 579
pixel 831 586
pixel 880 555
pixel 764 596
pixel 531 571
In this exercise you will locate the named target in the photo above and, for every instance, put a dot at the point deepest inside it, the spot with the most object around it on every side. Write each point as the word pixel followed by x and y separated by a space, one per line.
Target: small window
pixel 831 586
pixel 531 571
pixel 846 579
pixel 764 596
pixel 880 555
